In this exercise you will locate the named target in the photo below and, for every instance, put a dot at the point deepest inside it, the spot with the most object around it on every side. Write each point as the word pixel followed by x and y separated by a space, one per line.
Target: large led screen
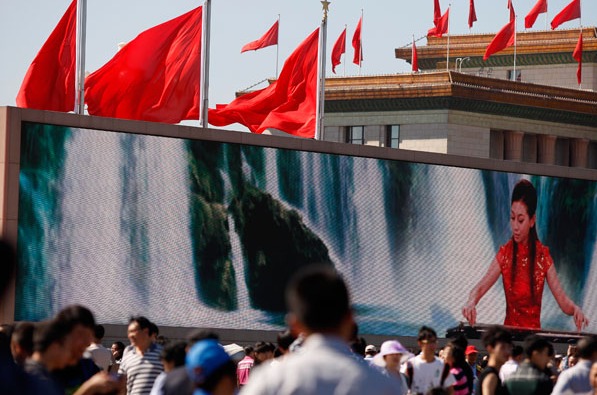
pixel 206 234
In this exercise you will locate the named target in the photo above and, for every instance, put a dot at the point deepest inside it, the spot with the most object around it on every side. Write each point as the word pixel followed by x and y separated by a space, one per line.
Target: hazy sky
pixel 387 24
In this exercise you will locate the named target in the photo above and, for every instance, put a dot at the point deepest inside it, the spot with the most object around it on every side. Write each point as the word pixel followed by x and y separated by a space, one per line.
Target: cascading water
pixel 121 243
pixel 87 257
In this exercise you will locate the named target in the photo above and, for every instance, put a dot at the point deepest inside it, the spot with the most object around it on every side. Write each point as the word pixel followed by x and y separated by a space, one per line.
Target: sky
pixel 387 24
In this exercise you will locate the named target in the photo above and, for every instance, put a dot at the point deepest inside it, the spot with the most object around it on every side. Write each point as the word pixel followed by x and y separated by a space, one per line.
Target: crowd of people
pixel 65 355
pixel 320 353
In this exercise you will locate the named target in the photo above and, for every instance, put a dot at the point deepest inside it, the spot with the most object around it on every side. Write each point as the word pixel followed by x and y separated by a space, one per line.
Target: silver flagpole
pixel 345 53
pixel 361 43
pixel 515 44
pixel 80 57
pixel 204 89
pixel 448 44
pixel 321 72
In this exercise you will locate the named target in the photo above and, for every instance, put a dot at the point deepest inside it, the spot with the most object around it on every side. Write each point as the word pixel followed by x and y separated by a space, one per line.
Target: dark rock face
pixel 276 243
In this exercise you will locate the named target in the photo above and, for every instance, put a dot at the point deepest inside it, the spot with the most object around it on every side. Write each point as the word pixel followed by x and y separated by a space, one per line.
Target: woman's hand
pixel 579 319
pixel 469 311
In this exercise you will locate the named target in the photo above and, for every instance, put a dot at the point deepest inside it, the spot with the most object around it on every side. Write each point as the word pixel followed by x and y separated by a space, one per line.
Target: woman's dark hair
pixel 175 352
pixel 460 361
pixel 526 193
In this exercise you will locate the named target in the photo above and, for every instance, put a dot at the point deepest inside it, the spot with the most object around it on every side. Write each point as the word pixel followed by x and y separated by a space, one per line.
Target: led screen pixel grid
pixel 200 233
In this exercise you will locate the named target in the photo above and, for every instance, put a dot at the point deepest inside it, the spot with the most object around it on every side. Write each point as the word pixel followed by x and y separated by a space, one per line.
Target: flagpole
pixel 345 54
pixel 278 47
pixel 580 24
pixel 80 57
pixel 448 48
pixel 515 45
pixel 321 72
pixel 361 43
pixel 204 88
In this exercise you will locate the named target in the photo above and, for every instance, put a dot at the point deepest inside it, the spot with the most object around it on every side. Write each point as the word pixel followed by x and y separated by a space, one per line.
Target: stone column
pixel 546 145
pixel 579 150
pixel 513 145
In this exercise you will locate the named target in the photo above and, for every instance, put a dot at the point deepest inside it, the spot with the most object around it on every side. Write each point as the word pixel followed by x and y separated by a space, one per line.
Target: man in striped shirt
pixel 142 363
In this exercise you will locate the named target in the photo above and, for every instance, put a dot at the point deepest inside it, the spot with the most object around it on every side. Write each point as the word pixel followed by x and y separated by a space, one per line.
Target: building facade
pixel 534 112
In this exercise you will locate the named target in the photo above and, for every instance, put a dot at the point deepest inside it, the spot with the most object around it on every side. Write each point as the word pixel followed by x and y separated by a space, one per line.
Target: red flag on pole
pixel 155 77
pixel 415 58
pixel 49 83
pixel 269 38
pixel 437 12
pixel 539 8
pixel 472 15
pixel 503 39
pixel 289 104
pixel 442 25
pixel 511 8
pixel 577 55
pixel 356 44
pixel 570 12
pixel 338 50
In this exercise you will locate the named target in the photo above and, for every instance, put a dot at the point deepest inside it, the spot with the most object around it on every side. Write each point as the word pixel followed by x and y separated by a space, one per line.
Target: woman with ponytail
pixel 524 264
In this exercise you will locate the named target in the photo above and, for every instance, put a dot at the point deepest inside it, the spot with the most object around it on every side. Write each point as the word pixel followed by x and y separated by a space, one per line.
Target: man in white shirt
pixel 319 306
pixel 101 355
pixel 512 363
pixel 575 380
pixel 426 371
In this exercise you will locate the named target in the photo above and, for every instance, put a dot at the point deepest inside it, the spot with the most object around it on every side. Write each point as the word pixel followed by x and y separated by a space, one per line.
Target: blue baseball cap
pixel 204 358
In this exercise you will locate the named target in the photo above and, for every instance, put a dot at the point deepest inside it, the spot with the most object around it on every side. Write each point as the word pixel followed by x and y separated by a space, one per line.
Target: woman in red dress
pixel 524 264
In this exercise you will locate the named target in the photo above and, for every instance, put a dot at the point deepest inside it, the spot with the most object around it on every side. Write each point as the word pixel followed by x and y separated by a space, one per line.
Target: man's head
pixel 517 353
pixel 173 355
pixel 587 348
pixel 117 349
pixel 498 342
pixel 427 340
pixel 318 301
pixel 98 333
pixel 21 342
pixel 210 368
pixel 284 340
pixel 471 354
pixel 79 324
pixel 538 350
pixel 263 351
pixel 52 345
pixel 139 332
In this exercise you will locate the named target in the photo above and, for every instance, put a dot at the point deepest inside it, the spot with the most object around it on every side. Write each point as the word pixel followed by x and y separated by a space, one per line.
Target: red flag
pixel 338 50
pixel 570 12
pixel 437 12
pixel 415 58
pixel 539 8
pixel 49 83
pixel 356 44
pixel 472 15
pixel 511 8
pixel 577 55
pixel 503 39
pixel 442 25
pixel 155 77
pixel 288 104
pixel 269 38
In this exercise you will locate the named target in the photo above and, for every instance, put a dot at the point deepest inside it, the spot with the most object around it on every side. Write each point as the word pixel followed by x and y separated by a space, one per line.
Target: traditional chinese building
pixel 533 111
